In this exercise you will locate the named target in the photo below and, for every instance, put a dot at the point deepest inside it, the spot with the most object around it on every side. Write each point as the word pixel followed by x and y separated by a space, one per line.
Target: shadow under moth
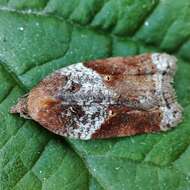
pixel 113 97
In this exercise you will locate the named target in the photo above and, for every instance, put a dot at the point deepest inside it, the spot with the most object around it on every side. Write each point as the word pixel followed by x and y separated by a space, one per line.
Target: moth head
pixel 21 108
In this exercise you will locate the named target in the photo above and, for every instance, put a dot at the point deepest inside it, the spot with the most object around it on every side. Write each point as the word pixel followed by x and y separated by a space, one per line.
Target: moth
pixel 113 97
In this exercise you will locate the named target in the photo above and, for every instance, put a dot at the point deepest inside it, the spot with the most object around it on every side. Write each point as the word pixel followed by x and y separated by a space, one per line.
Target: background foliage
pixel 37 37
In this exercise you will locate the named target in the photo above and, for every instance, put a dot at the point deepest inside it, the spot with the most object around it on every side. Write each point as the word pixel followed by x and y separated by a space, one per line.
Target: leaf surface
pixel 38 37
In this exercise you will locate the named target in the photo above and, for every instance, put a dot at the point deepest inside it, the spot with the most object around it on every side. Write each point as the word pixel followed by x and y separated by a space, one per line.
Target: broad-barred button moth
pixel 114 97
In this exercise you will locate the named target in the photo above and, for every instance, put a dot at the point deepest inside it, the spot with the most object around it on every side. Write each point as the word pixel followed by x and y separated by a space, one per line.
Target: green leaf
pixel 38 37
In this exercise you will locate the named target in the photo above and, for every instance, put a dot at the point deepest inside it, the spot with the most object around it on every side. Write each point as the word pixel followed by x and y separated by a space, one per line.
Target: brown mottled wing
pixel 107 98
pixel 127 123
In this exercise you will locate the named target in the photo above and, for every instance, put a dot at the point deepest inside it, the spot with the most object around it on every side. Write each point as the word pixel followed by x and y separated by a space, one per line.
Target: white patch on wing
pixel 172 111
pixel 93 97
pixel 171 116
pixel 164 62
